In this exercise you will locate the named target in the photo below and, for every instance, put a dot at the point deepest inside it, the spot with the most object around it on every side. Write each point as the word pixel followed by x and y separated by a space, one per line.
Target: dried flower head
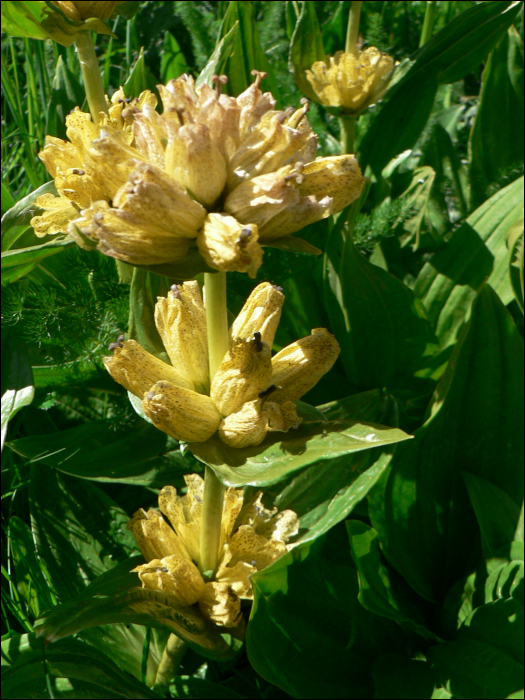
pixel 251 538
pixel 351 82
pixel 226 174
pixel 251 394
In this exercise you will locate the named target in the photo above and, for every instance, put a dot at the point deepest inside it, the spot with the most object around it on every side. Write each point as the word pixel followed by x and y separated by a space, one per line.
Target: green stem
pixel 169 663
pixel 352 30
pixel 347 124
pixel 91 75
pixel 428 23
pixel 213 496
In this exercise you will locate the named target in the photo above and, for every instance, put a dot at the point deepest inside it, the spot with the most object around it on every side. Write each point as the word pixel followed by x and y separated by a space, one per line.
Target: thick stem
pixel 213 497
pixel 347 124
pixel 91 75
pixel 170 661
pixel 428 22
pixel 352 30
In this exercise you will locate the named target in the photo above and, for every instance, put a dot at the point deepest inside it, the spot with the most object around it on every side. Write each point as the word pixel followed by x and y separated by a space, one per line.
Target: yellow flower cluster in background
pixel 221 173
pixel 351 82
pixel 251 538
pixel 251 393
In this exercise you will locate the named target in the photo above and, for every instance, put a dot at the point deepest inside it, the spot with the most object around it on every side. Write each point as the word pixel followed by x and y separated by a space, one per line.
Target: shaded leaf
pixel 173 62
pixel 17 380
pixel 306 47
pixel 399 677
pixel 217 61
pixel 16 219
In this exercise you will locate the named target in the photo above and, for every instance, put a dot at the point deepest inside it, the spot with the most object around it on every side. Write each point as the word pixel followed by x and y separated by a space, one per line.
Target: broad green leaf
pixel 75 669
pixel 42 20
pixel 506 579
pixel 16 219
pixel 379 591
pixel 173 62
pixel 421 509
pixel 115 597
pixel 18 387
pixel 217 61
pixel 96 451
pixel 191 687
pixel 17 263
pixel 516 260
pixel 400 677
pixel 67 92
pixel 295 245
pixel 279 456
pixel 486 659
pixel 145 288
pixel 497 512
pixel 306 47
pixel 448 283
pixel 308 633
pixel 385 337
pixel 140 79
pixel 496 138
pixel 246 54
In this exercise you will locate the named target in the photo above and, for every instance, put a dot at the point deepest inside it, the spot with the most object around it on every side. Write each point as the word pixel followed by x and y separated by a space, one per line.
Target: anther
pixel 175 291
pixel 161 569
pixel 217 81
pixel 257 341
pixel 98 217
pixel 197 498
pixel 77 171
pixel 244 238
pixel 150 395
pixel 265 394
pixel 118 344
pixel 276 287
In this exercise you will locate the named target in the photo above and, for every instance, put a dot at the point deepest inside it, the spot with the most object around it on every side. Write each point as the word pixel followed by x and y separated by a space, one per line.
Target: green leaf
pixel 246 54
pixel 385 337
pixel 17 380
pixel 306 48
pixel 75 669
pixel 16 219
pixel 308 633
pixel 145 288
pixel 448 284
pixel 398 677
pixel 496 138
pixel 496 512
pixel 17 263
pixel 506 579
pixel 140 79
pixel 195 688
pixel 421 508
pixel 217 61
pixel 380 591
pixel 486 659
pixel 115 597
pixel 516 267
pixel 279 456
pixel 67 92
pixel 96 451
pixel 295 245
pixel 173 62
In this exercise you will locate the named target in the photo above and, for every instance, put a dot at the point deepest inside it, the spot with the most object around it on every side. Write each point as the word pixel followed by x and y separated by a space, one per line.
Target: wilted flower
pixel 251 538
pixel 84 10
pixel 221 173
pixel 351 82
pixel 251 393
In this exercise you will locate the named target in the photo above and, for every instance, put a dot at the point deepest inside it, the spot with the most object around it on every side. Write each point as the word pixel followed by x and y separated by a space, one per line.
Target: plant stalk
pixel 213 496
pixel 347 123
pixel 352 29
pixel 170 661
pixel 428 22
pixel 91 75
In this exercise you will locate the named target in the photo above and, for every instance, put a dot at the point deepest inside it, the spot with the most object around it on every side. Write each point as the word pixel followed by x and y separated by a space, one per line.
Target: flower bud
pixel 338 177
pixel 181 321
pixel 220 604
pixel 138 370
pixel 245 371
pixel 245 428
pixel 227 245
pixel 184 512
pixel 193 160
pixel 154 536
pixel 299 366
pixel 351 82
pixel 78 10
pixel 181 413
pixel 260 313
pixel 173 575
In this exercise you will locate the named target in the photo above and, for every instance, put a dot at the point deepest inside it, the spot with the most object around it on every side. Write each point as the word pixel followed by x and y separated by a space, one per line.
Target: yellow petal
pixel 338 177
pixel 245 371
pixel 247 427
pixel 138 370
pixel 237 578
pixel 184 513
pixel 221 605
pixel 154 536
pixel 246 545
pixel 181 321
pixel 58 213
pixel 228 246
pixel 261 313
pixel 281 417
pixel 181 413
pixel 173 575
pixel 299 366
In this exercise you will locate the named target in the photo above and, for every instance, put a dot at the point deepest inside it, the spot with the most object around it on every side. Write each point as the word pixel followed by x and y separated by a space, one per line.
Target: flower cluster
pixel 225 174
pixel 251 538
pixel 351 82
pixel 251 393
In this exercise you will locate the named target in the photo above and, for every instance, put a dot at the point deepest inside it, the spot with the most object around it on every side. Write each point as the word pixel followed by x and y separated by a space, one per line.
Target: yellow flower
pixel 221 173
pixel 251 538
pixel 351 82
pixel 251 393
